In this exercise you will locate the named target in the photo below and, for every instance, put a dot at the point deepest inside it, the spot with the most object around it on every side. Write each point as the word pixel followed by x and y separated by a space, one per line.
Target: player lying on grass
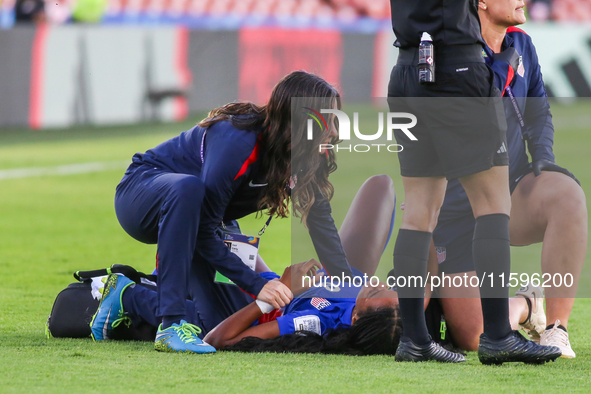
pixel 307 324
pixel 364 235
pixel 548 205
pixel 235 162
pixel 344 319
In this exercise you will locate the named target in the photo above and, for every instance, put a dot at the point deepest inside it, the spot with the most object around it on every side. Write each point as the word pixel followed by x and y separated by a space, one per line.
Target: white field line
pixel 68 169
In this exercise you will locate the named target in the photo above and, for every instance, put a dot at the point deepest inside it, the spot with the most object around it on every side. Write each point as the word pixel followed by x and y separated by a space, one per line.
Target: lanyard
pixel 265 226
pixel 202 147
pixel 514 101
pixel 261 232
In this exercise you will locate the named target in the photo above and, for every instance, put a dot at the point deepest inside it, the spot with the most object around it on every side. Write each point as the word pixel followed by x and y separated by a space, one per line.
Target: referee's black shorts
pixel 461 127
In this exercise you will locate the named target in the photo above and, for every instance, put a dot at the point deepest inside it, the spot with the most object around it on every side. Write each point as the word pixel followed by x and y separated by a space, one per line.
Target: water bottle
pixel 426 59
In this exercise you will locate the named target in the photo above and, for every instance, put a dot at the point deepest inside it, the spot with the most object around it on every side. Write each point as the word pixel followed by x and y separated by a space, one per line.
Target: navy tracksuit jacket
pixel 179 193
pixel 530 95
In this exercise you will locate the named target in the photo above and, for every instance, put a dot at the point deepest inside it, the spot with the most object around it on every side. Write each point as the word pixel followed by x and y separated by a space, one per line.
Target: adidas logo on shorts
pixel 502 149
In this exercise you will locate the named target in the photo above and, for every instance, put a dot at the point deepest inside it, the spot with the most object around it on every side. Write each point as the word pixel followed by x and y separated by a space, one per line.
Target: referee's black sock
pixel 491 251
pixel 410 260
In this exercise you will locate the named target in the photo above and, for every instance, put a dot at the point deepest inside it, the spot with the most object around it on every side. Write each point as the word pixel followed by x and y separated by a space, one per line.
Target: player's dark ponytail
pixel 375 332
pixel 281 147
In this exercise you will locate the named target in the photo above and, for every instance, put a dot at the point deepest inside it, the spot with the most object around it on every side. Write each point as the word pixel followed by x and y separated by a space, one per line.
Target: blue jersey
pixel 538 130
pixel 320 309
pixel 229 161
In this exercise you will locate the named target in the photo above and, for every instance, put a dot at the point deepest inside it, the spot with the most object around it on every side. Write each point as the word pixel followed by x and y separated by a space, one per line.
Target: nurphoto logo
pixel 344 129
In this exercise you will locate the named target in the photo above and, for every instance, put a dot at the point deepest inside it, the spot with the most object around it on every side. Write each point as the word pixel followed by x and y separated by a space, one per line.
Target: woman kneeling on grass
pixel 235 162
pixel 344 319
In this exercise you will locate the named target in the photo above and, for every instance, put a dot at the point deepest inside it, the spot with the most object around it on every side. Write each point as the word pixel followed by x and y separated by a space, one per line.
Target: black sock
pixel 410 260
pixel 492 255
pixel 551 326
pixel 168 321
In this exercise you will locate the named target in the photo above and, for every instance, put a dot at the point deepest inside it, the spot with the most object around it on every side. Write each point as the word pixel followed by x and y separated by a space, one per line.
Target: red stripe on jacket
pixel 514 29
pixel 510 74
pixel 251 159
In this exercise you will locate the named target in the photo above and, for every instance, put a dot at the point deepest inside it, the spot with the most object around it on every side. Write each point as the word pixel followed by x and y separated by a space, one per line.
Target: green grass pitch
pixel 53 225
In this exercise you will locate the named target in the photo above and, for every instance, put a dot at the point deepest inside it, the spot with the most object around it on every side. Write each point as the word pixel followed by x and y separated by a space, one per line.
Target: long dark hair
pixel 282 146
pixel 375 332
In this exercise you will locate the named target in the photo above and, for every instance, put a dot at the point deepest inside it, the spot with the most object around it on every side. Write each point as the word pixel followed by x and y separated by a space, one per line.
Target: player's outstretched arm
pixel 238 326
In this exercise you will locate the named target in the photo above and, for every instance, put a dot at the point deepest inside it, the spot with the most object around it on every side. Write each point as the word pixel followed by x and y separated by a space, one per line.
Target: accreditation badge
pixel 243 246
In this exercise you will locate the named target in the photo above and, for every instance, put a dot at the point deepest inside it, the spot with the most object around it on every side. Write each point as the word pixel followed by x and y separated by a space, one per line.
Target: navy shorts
pixel 453 244
pixel 453 238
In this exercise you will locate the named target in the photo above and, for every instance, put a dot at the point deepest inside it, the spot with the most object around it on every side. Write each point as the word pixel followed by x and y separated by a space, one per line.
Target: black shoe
pixel 409 351
pixel 514 348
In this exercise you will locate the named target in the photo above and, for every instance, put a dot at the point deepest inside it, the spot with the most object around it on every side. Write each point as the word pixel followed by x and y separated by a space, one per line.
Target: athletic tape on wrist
pixel 265 307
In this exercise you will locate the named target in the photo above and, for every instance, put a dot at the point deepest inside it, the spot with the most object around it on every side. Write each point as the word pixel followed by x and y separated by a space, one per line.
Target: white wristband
pixel 265 307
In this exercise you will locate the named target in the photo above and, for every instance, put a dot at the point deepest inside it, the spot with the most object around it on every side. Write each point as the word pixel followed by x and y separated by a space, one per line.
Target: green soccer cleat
pixel 110 311
pixel 181 338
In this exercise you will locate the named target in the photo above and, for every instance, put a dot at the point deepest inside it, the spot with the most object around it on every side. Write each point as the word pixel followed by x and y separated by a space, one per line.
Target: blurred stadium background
pixel 70 62
pixel 84 84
